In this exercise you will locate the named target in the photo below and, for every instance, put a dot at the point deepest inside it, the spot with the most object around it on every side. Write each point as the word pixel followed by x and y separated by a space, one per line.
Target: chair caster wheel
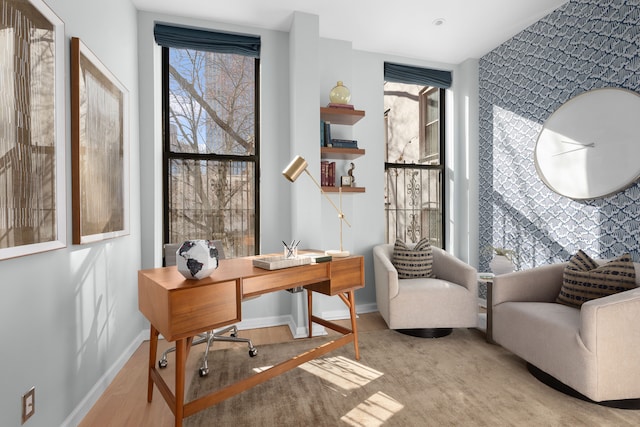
pixel 253 352
pixel 203 372
pixel 162 364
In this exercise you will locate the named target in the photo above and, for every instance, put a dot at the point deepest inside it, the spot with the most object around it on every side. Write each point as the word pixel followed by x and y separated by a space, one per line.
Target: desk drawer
pixel 346 274
pixel 284 279
pixel 202 308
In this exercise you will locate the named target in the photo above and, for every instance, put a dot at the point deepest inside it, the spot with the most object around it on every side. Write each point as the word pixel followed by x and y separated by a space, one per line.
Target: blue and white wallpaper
pixel 585 44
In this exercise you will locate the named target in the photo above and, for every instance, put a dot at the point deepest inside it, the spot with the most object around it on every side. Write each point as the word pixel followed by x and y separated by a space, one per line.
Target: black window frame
pixel 168 155
pixel 441 167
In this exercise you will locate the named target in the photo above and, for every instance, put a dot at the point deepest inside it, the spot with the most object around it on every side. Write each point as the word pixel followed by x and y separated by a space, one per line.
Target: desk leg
pixel 153 348
pixel 310 311
pixel 349 300
pixel 182 353
pixel 354 325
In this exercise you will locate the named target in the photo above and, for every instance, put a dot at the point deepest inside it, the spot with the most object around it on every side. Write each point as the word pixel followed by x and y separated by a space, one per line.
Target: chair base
pixel 426 332
pixel 209 338
pixel 556 384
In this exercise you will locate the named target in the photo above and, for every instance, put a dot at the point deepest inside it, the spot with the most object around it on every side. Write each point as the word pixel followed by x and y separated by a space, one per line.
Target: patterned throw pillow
pixel 413 263
pixel 583 280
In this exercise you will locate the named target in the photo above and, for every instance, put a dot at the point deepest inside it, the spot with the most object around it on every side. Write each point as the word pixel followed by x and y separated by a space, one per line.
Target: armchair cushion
pixel 413 262
pixel 583 280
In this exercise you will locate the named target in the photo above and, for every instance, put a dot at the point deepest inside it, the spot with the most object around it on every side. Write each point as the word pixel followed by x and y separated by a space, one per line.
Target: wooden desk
pixel 179 309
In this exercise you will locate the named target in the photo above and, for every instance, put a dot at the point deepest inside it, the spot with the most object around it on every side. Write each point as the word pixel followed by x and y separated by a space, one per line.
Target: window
pixel 414 167
pixel 211 150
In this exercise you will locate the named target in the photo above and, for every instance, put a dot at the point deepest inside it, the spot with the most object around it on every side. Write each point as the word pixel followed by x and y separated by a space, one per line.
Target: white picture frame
pixel 32 144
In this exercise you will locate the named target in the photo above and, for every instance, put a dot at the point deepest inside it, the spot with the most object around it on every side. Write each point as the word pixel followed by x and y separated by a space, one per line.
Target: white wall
pixel 68 316
pixel 464 164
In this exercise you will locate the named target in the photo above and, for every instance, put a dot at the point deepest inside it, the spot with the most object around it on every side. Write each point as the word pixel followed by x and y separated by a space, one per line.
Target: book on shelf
pixel 345 106
pixel 322 133
pixel 327 133
pixel 324 165
pixel 317 257
pixel 332 174
pixel 327 173
pixel 343 143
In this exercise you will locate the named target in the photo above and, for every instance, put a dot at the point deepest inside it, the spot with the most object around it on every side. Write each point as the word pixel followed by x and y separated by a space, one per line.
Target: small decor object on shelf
pixel 350 173
pixel 340 94
pixel 345 181
pixel 197 259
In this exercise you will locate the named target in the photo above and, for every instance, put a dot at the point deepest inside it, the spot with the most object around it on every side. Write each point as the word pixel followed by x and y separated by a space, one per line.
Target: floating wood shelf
pixel 341 153
pixel 344 189
pixel 340 116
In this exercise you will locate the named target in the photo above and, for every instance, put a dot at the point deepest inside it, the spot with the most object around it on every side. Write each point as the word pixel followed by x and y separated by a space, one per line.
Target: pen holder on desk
pixel 290 252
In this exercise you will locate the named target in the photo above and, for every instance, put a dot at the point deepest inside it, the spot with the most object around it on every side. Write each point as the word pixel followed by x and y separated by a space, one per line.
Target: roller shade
pixel 211 41
pixel 416 75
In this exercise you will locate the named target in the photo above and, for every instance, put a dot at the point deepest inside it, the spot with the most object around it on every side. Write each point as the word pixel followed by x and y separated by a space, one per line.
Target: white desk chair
pixel 209 337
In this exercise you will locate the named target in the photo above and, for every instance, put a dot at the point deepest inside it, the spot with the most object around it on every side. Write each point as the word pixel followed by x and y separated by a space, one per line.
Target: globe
pixel 197 259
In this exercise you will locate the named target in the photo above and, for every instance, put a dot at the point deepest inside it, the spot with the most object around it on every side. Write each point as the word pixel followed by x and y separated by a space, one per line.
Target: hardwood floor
pixel 124 403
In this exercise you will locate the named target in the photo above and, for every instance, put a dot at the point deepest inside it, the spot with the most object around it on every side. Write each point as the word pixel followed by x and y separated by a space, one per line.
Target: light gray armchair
pixel 593 349
pixel 426 307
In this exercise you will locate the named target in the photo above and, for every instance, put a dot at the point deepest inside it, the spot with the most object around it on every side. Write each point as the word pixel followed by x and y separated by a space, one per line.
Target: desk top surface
pixel 232 269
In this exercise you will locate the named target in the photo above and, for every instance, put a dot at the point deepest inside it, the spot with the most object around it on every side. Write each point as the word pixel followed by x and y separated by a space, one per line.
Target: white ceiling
pixel 401 27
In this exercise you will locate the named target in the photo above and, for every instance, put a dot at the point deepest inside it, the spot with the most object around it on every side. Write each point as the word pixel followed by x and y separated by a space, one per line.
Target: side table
pixel 486 279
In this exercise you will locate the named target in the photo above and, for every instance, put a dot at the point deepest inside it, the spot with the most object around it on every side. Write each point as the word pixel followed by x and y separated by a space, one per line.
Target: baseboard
pixel 263 322
pixel 99 388
pixel 344 313
pixel 333 315
pixel 367 308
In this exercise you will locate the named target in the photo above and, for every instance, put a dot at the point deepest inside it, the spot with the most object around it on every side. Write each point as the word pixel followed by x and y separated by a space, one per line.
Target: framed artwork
pixel 99 149
pixel 32 122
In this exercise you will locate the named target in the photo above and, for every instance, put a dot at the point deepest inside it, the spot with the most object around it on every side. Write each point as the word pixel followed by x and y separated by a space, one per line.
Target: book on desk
pixel 317 257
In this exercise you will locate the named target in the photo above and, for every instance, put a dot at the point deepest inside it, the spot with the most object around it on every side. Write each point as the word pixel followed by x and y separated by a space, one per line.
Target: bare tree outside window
pixel 211 152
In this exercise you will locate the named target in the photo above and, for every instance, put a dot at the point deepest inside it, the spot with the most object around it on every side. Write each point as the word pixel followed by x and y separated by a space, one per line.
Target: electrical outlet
pixel 28 404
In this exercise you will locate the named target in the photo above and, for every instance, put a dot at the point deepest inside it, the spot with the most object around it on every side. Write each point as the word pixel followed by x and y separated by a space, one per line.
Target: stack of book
pixel 317 257
pixel 327 173
pixel 343 143
pixel 327 141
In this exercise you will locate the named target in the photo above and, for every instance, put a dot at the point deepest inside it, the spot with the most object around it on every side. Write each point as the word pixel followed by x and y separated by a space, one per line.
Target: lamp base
pixel 336 253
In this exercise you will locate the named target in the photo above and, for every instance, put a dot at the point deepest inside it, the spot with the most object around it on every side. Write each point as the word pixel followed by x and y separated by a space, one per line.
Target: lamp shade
pixel 295 168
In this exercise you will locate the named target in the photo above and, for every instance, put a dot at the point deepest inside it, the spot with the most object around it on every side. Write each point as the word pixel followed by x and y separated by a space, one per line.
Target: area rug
pixel 458 380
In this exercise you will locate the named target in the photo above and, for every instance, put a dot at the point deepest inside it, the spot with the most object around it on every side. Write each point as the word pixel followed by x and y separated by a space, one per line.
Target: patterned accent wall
pixel 585 44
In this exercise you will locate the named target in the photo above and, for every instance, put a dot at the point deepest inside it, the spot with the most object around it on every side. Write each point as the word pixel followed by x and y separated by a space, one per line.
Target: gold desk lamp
pixel 292 172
